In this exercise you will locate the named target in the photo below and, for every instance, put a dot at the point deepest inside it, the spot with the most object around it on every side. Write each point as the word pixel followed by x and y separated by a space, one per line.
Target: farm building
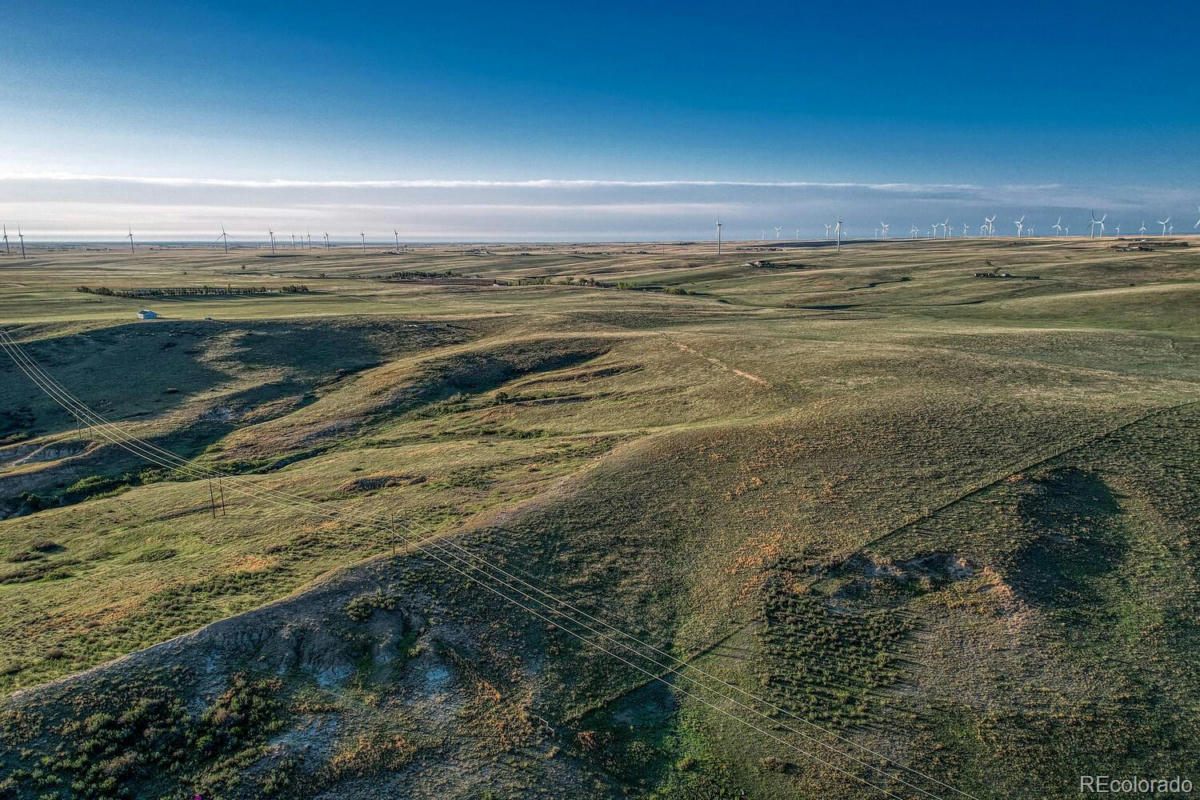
pixel 147 314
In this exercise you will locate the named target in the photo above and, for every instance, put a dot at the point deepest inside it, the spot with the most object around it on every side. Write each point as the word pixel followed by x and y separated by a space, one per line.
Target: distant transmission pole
pixel 718 236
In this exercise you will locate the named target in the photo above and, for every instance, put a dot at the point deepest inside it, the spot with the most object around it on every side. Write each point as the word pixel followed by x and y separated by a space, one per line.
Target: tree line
pixel 193 291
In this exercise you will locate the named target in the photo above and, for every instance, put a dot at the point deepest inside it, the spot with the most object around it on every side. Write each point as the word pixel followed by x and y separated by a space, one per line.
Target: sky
pixel 592 121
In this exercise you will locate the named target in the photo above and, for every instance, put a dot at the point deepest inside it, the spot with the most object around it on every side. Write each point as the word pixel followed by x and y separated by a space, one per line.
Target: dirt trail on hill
pixel 718 362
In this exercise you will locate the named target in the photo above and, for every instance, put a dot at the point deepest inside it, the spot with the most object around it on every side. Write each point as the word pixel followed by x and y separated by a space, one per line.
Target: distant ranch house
pixel 146 313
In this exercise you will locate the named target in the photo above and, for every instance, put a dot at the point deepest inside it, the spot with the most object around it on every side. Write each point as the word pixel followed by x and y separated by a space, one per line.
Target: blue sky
pixel 994 108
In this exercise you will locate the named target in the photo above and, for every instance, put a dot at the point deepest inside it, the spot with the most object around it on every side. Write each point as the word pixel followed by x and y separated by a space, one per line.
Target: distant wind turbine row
pixel 1023 228
pixel 832 230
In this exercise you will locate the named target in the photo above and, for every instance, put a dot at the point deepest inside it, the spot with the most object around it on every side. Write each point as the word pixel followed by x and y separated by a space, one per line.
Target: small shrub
pixel 361 608
pixel 94 485
pixel 35 502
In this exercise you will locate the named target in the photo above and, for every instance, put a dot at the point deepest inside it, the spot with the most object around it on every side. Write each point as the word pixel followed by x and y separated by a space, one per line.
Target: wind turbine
pixel 1057 227
pixel 946 228
pixel 827 229
pixel 21 236
pixel 309 235
pixel 326 241
pixel 1142 230
pixel 1067 230
pixel 718 236
pixel 225 238
pixel 293 241
pixel 1117 230
pixel 777 231
pixel 1020 223
pixel 1197 225
pixel 397 233
pixel 797 233
pixel 271 233
pixel 991 224
pixel 966 228
pixel 983 229
pixel 883 226
pixel 130 237
pixel 839 234
pixel 1096 222
pixel 1164 223
pixel 914 231
pixel 1171 229
pixel 933 231
pixel 7 251
pixel 364 240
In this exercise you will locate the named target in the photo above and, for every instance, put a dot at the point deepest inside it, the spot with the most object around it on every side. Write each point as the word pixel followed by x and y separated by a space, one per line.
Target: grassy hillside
pixel 916 531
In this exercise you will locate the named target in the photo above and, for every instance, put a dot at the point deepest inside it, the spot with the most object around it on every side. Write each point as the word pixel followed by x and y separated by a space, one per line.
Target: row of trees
pixel 193 291
pixel 411 274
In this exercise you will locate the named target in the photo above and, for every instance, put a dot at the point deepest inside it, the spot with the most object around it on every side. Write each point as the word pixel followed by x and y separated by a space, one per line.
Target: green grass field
pixel 941 528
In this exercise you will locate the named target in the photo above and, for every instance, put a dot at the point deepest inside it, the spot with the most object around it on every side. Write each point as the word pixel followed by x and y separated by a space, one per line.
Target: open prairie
pixel 916 520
